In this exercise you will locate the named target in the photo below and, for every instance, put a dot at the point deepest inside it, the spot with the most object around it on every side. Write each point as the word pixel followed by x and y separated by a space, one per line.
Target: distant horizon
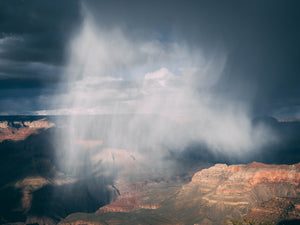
pixel 279 119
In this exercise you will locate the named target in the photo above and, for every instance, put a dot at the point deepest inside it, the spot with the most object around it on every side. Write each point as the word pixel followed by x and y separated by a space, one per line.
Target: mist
pixel 156 97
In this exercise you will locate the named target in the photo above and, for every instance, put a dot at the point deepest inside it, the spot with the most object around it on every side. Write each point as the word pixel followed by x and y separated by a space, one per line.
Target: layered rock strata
pixel 20 130
pixel 213 196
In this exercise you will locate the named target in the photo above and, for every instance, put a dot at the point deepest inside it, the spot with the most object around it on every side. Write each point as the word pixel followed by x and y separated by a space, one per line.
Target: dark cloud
pixel 263 62
pixel 261 39
pixel 33 37
pixel 44 28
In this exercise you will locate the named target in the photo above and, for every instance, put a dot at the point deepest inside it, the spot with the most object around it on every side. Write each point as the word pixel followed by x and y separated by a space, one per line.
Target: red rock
pixel 265 192
pixel 25 129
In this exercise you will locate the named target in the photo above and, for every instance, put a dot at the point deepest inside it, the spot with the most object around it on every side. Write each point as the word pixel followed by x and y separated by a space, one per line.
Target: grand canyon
pixel 160 112
pixel 35 190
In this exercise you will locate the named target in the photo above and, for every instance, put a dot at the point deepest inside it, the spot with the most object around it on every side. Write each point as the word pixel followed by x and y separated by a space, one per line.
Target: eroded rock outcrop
pixel 245 184
pixel 233 191
pixel 20 130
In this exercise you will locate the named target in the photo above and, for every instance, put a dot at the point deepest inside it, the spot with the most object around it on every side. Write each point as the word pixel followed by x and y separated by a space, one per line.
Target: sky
pixel 239 53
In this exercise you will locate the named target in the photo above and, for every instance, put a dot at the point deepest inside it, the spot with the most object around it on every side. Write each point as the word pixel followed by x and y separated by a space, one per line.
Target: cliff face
pixel 245 184
pixel 260 191
pixel 233 191
pixel 20 130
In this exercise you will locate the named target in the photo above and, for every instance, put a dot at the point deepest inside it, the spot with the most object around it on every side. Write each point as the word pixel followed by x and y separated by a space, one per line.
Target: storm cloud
pixel 261 41
pixel 32 39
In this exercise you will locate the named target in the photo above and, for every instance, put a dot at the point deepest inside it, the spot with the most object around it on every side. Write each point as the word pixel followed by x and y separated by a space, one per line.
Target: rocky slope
pixel 277 209
pixel 212 196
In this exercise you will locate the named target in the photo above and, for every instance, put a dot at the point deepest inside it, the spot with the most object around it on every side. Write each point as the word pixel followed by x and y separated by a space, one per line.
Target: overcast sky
pixel 254 45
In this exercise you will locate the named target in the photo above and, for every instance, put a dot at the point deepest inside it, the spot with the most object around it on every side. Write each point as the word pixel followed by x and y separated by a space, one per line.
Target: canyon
pixel 256 191
pixel 120 187
pixel 18 130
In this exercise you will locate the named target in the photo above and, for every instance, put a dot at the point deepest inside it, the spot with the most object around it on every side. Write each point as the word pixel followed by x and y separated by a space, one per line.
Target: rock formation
pixel 20 130
pixel 214 195
pixel 276 210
